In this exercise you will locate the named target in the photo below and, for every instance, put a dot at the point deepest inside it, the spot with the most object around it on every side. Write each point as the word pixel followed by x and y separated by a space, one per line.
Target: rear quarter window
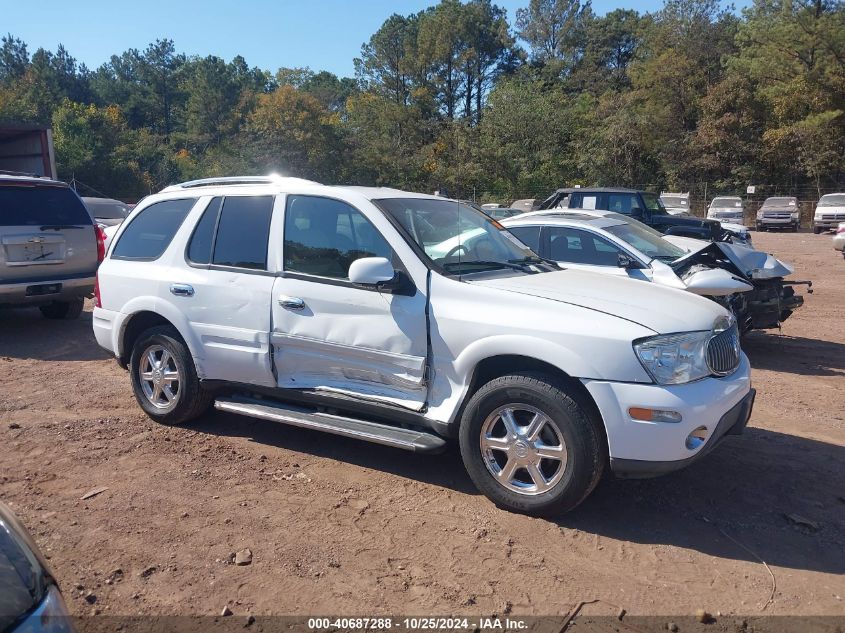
pixel 26 205
pixel 151 231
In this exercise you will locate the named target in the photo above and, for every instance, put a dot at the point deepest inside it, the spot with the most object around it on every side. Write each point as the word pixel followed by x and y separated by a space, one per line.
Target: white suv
pixel 361 312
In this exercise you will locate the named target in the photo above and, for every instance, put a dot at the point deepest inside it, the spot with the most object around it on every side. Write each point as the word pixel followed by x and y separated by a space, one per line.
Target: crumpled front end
pixel 772 299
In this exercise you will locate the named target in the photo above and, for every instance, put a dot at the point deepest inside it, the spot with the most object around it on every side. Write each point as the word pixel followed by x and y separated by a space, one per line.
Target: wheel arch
pixel 145 318
pixel 498 365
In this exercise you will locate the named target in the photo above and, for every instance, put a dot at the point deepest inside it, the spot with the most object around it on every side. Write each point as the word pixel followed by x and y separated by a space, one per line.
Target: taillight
pixel 101 242
pixel 98 303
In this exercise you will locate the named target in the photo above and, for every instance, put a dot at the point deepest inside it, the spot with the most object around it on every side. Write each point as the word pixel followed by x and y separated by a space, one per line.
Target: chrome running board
pixel 408 439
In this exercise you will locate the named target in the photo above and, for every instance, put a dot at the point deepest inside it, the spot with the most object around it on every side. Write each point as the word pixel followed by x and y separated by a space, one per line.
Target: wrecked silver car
pixel 773 298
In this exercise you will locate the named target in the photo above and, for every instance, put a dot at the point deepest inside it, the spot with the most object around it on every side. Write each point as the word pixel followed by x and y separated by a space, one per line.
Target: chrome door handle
pixel 291 303
pixel 182 290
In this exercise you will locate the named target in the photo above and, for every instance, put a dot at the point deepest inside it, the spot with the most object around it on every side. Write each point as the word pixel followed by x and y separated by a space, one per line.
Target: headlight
pixel 795 215
pixel 672 359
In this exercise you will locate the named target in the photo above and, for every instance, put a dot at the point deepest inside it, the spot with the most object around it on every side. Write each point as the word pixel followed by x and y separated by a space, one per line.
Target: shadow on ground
pixel 795 354
pixel 25 333
pixel 744 489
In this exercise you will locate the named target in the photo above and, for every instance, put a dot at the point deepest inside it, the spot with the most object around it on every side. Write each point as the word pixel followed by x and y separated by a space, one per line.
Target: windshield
pixel 652 202
pixel 645 239
pixel 833 200
pixel 457 238
pixel 779 202
pixel 726 203
pixel 674 201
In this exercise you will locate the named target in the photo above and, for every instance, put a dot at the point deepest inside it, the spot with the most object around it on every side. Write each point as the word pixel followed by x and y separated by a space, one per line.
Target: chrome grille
pixel 776 215
pixel 833 216
pixel 723 351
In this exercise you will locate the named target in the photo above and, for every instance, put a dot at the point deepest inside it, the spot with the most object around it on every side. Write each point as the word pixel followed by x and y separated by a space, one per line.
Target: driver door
pixel 329 334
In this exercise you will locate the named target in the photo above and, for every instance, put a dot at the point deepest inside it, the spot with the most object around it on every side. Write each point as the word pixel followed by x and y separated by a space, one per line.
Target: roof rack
pixel 237 180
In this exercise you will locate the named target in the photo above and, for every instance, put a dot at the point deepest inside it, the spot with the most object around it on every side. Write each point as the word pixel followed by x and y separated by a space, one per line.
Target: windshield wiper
pixel 534 259
pixel 482 262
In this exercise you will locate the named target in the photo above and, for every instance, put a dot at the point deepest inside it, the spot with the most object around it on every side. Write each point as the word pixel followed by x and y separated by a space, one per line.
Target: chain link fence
pixel 700 196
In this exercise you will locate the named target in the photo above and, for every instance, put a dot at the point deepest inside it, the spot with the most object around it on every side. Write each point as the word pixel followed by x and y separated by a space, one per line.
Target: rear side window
pixel 243 232
pixel 151 231
pixel 24 205
pixel 202 241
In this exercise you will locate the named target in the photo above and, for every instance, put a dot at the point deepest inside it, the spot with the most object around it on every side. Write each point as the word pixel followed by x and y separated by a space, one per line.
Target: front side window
pixel 653 203
pixel 324 236
pixel 151 231
pixel 581 247
pixel 528 235
pixel 457 238
pixel 626 203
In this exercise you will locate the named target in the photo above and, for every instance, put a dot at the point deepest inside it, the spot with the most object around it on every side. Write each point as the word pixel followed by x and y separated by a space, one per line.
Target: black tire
pixel 817 230
pixel 67 310
pixel 564 407
pixel 190 400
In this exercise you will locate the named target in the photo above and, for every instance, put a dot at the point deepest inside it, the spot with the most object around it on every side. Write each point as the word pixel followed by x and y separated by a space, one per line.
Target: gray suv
pixel 49 246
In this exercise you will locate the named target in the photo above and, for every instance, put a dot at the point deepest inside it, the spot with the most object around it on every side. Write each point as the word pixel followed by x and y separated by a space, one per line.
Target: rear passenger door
pixel 224 288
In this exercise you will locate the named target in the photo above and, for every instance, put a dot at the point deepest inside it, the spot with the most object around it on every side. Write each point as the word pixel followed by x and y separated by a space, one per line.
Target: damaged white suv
pixel 362 312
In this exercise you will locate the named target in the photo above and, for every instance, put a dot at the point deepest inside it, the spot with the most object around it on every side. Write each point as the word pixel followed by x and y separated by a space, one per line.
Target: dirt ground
pixel 342 527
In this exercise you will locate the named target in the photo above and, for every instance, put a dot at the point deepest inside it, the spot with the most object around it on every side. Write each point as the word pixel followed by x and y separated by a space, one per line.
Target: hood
pixel 663 310
pixel 755 264
pixel 751 263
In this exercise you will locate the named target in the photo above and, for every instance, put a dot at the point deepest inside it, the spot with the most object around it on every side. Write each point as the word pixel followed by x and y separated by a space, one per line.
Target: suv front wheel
pixel 164 377
pixel 530 445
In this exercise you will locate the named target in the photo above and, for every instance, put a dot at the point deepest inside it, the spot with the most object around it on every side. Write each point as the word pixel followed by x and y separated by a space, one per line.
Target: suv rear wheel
pixel 530 446
pixel 164 378
pixel 63 309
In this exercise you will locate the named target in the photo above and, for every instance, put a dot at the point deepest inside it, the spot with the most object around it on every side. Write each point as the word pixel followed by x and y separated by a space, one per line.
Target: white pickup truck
pixel 341 309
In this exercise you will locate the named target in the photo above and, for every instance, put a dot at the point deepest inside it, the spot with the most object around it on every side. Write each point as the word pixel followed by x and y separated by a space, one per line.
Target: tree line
pixel 455 98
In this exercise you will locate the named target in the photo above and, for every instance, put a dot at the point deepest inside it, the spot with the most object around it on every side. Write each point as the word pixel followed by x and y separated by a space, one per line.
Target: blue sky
pixel 320 34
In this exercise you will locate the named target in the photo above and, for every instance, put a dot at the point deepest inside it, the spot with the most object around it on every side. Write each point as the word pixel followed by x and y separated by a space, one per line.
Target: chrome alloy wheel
pixel 160 377
pixel 523 449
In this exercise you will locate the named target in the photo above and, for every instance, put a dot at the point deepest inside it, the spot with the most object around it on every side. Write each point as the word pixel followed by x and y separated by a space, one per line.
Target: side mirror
pixel 371 271
pixel 623 261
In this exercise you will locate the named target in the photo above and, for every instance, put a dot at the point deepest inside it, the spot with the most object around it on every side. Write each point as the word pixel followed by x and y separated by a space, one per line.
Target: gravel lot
pixel 338 526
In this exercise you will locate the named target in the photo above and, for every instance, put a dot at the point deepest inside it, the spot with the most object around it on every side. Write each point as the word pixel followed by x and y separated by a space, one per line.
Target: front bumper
pixel 777 222
pixel 33 293
pixel 704 402
pixel 732 423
